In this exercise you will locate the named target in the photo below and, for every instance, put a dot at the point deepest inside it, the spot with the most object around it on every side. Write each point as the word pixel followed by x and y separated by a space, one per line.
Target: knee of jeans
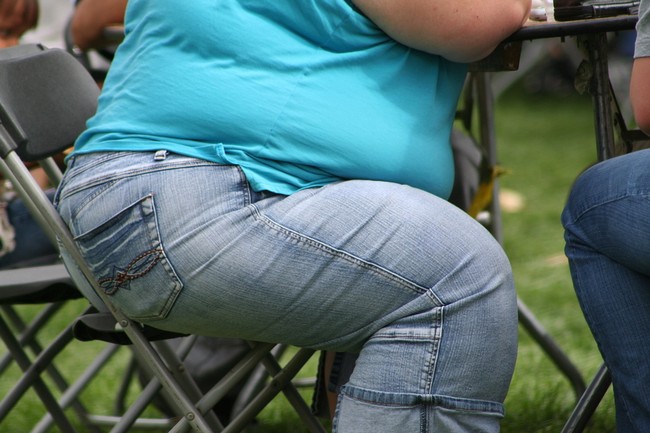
pixel 569 212
pixel 576 203
pixel 490 269
pixel 494 300
pixel 573 232
pixel 497 259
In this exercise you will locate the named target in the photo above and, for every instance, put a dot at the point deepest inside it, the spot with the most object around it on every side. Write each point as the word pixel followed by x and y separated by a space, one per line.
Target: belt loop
pixel 160 155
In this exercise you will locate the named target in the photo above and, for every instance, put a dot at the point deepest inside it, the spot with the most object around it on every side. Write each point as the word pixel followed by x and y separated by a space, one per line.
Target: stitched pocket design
pixel 127 257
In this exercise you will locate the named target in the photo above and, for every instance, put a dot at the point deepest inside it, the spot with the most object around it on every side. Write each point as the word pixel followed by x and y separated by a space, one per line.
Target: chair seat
pixel 37 284
pixel 104 327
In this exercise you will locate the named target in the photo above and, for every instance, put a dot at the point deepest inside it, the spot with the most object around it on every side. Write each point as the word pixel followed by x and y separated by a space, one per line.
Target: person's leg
pixel 442 321
pixel 607 232
pixel 32 246
pixel 422 290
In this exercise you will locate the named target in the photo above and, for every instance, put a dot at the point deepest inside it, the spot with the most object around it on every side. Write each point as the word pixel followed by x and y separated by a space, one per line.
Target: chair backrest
pixel 45 98
pixel 52 95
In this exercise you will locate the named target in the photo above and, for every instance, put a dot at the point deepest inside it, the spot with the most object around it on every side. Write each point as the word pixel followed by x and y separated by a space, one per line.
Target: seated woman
pixel 279 171
pixel 607 232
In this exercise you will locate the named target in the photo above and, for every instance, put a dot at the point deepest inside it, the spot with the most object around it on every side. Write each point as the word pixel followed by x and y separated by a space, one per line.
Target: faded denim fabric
pixel 607 232
pixel 419 288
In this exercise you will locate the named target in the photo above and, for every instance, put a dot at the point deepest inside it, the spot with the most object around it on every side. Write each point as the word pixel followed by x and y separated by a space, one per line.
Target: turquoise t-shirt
pixel 299 94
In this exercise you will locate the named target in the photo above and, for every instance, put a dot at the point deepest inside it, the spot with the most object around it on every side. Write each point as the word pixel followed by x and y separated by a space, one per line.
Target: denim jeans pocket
pixel 142 282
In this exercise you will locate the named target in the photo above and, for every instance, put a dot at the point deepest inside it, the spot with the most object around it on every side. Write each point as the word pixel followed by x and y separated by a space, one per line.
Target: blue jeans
pixel 419 288
pixel 607 232
pixel 33 247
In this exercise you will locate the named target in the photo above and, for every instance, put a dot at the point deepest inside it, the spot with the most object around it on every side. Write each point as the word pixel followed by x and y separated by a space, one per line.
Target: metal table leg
pixel 588 402
pixel 526 317
pixel 596 48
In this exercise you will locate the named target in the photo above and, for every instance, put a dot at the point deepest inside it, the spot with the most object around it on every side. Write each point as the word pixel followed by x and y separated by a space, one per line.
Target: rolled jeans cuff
pixel 409 399
pixel 362 411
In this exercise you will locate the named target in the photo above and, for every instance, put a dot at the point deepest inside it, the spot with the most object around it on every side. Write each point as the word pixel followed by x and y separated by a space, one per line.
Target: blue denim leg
pixel 33 247
pixel 607 232
pixel 419 288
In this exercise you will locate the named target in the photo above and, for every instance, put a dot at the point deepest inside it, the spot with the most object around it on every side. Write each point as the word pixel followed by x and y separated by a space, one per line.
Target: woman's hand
pixel 459 30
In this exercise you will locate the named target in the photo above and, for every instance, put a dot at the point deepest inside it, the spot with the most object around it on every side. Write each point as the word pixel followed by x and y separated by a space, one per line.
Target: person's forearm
pixel 640 93
pixel 461 30
pixel 90 19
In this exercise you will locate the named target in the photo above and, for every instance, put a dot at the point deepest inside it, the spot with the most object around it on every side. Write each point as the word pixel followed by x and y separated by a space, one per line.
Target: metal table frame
pixel 612 139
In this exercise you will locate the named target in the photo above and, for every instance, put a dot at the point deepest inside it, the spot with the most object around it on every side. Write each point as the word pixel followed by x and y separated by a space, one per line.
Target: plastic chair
pixel 45 99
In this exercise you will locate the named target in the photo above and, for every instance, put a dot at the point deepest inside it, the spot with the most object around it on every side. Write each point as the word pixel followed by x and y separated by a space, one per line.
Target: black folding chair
pixel 589 401
pixel 45 99
pixel 50 287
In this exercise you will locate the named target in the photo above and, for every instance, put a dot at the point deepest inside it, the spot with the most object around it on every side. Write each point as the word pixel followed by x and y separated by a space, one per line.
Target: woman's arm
pixel 459 30
pixel 90 19
pixel 640 93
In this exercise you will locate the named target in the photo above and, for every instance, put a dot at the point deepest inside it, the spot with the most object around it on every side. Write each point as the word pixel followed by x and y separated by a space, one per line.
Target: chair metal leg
pixel 589 401
pixel 71 393
pixel 485 99
pixel 27 332
pixel 130 372
pixel 27 338
pixel 131 417
pixel 255 383
pixel 281 382
pixel 554 352
pixel 234 376
pixel 36 383
pixel 284 381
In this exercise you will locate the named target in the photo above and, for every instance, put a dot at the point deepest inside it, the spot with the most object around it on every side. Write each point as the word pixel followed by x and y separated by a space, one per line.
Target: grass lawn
pixel 544 141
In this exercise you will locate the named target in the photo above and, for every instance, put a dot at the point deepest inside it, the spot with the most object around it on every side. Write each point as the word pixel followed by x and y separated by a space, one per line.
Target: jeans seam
pixel 411 399
pixel 582 212
pixel 130 173
pixel 245 187
pixel 424 427
pixel 91 198
pixel 427 373
pixel 435 350
pixel 345 255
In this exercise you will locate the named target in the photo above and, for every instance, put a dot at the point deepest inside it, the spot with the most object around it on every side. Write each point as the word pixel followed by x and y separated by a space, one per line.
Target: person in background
pixel 279 171
pixel 607 231
pixel 91 18
pixel 52 19
pixel 16 18
pixel 22 242
pixel 87 36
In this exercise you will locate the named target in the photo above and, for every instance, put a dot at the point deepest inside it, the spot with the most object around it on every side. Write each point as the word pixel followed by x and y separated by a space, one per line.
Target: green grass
pixel 545 141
